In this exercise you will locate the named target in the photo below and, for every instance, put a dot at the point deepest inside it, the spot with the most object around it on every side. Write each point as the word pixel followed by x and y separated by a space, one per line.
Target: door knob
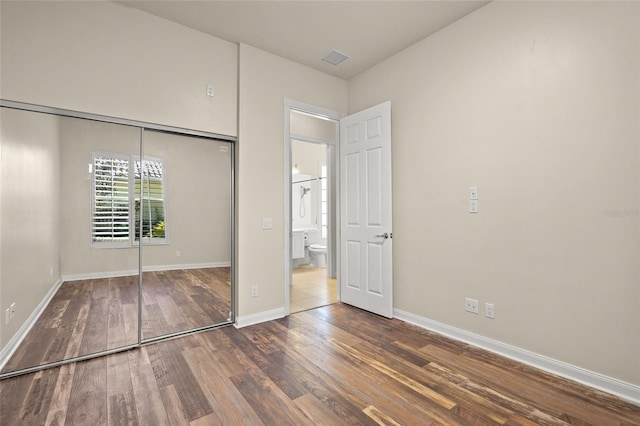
pixel 385 236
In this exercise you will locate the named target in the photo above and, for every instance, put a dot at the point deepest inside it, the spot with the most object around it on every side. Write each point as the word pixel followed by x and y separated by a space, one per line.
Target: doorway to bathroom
pixel 311 282
pixel 310 195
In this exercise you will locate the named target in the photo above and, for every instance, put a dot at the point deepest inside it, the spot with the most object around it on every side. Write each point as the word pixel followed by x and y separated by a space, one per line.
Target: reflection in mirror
pixel 186 233
pixel 81 206
pixel 69 260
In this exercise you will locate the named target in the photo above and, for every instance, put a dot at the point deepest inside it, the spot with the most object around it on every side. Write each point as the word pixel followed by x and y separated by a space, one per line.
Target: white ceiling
pixel 303 31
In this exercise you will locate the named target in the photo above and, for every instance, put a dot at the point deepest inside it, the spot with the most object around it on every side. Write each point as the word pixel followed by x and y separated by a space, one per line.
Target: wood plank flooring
pixel 184 299
pixel 89 316
pixel 334 365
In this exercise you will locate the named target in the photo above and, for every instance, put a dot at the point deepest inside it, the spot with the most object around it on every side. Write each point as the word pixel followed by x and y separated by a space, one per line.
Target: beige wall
pixel 308 157
pixel 536 103
pixel 104 58
pixel 306 125
pixel 265 81
pixel 29 234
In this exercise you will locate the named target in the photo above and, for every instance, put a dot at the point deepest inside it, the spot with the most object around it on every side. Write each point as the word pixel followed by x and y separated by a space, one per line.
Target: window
pixel 324 222
pixel 127 195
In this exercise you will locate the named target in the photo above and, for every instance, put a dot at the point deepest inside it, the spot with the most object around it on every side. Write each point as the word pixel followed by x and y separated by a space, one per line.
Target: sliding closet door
pixel 111 234
pixel 183 219
pixel 69 259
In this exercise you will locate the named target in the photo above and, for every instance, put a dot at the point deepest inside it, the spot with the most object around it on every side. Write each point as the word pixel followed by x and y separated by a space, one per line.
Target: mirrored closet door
pixel 186 233
pixel 113 233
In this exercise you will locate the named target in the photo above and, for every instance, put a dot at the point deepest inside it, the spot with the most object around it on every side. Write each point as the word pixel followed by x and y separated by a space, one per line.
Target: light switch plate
pixel 473 193
pixel 267 223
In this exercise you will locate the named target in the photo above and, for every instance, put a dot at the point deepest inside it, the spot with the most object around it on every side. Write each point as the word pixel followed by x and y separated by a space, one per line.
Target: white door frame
pixel 289 105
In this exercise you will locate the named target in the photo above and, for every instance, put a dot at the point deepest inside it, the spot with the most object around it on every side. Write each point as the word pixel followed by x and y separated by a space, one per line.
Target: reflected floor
pixel 311 288
pixel 94 315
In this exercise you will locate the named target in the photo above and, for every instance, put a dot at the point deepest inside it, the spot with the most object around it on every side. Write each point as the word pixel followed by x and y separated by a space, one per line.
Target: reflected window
pixel 127 195
pixel 149 203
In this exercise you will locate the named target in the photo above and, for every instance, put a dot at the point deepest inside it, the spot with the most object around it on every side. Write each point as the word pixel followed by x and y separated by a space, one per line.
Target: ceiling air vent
pixel 334 57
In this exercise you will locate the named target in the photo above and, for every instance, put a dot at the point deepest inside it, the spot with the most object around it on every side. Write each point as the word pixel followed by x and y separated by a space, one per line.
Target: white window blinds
pixel 111 189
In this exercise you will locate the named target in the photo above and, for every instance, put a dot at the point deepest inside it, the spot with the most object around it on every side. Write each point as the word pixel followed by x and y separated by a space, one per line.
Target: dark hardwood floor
pixel 184 299
pixel 89 316
pixel 334 365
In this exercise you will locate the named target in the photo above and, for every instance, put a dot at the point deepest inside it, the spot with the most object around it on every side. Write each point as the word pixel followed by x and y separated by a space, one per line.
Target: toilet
pixel 318 254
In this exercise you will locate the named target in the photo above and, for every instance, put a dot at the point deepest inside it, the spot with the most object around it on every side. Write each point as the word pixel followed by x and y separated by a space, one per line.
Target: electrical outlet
pixel 489 310
pixel 13 309
pixel 471 305
pixel 7 316
pixel 254 291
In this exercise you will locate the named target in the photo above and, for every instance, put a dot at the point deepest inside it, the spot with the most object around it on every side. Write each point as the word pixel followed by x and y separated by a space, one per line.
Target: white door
pixel 365 210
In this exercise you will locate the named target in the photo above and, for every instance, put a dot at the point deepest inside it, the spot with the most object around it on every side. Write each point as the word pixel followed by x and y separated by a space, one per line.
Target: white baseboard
pixel 626 391
pixel 259 317
pixel 186 266
pixel 12 345
pixel 99 275
pixel 130 272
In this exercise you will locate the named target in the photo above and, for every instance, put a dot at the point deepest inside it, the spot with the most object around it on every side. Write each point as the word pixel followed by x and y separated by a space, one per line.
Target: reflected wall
pixel 30 213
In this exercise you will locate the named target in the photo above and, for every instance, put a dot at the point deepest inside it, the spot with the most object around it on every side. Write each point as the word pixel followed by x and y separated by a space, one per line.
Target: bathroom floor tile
pixel 319 291
pixel 293 308
pixel 311 288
